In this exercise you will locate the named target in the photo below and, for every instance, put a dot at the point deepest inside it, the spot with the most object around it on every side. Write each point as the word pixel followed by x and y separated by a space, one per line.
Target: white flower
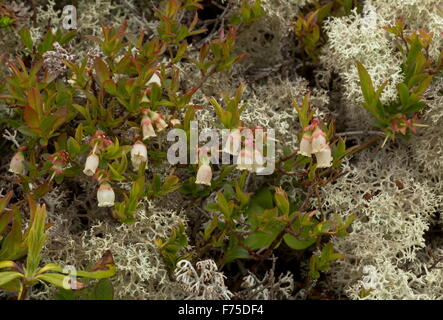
pixel 139 154
pixel 245 160
pixel 160 124
pixel 204 174
pixel 233 143
pixel 318 140
pixel 147 128
pixel 305 144
pixel 91 164
pixel 154 79
pixel 105 195
pixel 259 161
pixel 17 164
pixel 175 122
pixel 324 158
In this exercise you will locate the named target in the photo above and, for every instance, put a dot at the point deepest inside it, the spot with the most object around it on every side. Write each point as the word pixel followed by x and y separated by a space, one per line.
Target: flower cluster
pixel 149 120
pixel 249 157
pixel 314 142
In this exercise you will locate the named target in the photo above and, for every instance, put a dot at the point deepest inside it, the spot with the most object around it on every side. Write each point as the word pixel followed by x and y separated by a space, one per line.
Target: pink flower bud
pixel 105 195
pixel 147 128
pixel 324 158
pixel 305 144
pixel 17 164
pixel 204 175
pixel 318 140
pixel 91 164
pixel 139 154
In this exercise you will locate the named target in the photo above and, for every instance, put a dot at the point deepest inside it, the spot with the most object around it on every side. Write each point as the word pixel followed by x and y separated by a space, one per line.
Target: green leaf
pixel 224 205
pixel 25 35
pixel 101 70
pixel 210 228
pixel 104 290
pixel 403 93
pixel 36 237
pixel 12 246
pixel 7 264
pixel 234 253
pixel 281 199
pixel 8 276
pixel 5 200
pixel 56 279
pixel 46 44
pixel 263 198
pixel 260 239
pixel 68 36
pixel 296 244
pixel 73 148
pixel 99 274
pixel 366 85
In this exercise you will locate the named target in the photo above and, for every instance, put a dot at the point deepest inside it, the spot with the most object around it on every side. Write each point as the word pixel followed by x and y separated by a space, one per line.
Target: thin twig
pixel 359 133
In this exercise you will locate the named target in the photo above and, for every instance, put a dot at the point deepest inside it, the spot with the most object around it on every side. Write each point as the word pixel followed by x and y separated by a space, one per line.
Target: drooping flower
pixel 245 160
pixel 204 175
pixel 158 120
pixel 233 142
pixel 306 144
pixel 147 128
pixel 17 164
pixel 105 195
pixel 324 158
pixel 139 154
pixel 91 164
pixel 175 122
pixel 249 158
pixel 318 140
pixel 154 79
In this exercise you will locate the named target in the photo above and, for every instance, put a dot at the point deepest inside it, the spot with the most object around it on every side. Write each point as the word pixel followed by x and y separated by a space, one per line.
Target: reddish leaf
pixel 31 117
pixel 107 258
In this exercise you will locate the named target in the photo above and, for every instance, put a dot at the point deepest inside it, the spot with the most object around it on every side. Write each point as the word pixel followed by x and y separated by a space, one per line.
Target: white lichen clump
pixel 204 282
pixel 141 273
pixel 362 38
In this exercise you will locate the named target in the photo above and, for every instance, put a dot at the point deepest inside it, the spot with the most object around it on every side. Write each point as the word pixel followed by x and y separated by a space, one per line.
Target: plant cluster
pixel 91 127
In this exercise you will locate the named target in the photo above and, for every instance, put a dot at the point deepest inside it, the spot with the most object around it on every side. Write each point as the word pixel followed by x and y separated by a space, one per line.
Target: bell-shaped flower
pixel 91 164
pixel 175 122
pixel 158 120
pixel 17 164
pixel 306 144
pixel 324 158
pixel 318 140
pixel 204 174
pixel 154 79
pixel 233 142
pixel 105 195
pixel 147 128
pixel 245 160
pixel 139 155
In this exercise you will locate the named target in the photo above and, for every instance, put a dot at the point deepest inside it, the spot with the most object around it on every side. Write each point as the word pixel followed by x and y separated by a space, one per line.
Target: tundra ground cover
pixel 91 208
